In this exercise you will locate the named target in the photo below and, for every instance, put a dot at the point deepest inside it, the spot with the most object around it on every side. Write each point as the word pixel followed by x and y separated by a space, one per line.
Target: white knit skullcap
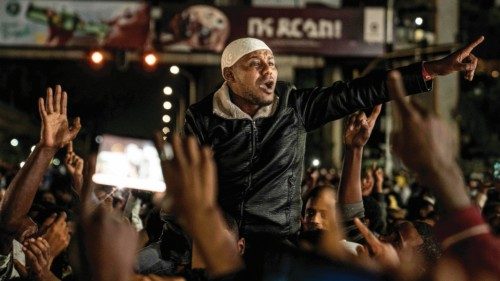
pixel 238 48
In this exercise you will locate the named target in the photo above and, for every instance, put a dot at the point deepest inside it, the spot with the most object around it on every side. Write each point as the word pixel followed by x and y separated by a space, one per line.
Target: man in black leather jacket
pixel 257 128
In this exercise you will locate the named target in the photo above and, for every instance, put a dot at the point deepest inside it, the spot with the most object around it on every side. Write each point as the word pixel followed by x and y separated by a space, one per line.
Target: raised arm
pixel 356 135
pixel 424 143
pixel 55 133
pixel 435 162
pixel 191 179
pixel 321 105
pixel 74 165
pixel 461 60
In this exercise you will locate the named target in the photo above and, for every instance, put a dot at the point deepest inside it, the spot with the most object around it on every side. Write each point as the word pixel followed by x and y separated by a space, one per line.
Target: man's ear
pixel 228 74
pixel 241 245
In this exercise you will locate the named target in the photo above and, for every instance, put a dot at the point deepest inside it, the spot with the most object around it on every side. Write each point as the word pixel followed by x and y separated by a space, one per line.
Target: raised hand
pixel 109 241
pixel 57 234
pixel 359 128
pixel 461 60
pixel 191 179
pixel 56 131
pixel 74 165
pixel 426 145
pixel 423 139
pixel 383 253
pixel 378 174
pixel 38 260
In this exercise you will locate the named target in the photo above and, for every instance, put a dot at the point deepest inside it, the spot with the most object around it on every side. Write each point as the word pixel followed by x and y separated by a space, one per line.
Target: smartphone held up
pixel 129 163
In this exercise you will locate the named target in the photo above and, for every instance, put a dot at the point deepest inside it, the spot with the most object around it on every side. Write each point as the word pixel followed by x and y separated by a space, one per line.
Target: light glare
pixel 14 142
pixel 174 69
pixel 167 105
pixel 150 59
pixel 419 21
pixel 97 57
pixel 168 90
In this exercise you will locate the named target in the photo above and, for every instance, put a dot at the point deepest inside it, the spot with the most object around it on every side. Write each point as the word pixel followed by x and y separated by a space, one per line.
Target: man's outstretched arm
pixel 319 106
pixel 55 133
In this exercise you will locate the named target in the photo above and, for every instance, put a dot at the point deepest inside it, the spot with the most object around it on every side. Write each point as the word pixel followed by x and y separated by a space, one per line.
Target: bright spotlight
pixel 419 21
pixel 14 142
pixel 167 105
pixel 166 118
pixel 315 162
pixel 96 57
pixel 174 69
pixel 150 59
pixel 166 130
pixel 168 90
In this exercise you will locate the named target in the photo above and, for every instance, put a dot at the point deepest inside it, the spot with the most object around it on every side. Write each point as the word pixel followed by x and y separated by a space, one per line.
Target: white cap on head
pixel 238 48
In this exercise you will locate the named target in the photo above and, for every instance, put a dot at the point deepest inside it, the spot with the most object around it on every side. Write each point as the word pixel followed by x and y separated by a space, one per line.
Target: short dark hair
pixel 313 194
pixel 232 225
pixel 430 248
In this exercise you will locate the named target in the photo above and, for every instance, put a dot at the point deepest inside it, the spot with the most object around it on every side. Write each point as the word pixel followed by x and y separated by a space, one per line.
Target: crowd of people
pixel 236 205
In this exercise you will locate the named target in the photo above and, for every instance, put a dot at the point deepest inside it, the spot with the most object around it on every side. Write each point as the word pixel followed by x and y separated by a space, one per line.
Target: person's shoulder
pixel 204 106
pixel 283 90
pixel 284 86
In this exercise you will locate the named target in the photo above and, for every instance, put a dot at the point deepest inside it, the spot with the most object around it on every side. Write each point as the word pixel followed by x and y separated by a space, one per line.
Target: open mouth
pixel 267 86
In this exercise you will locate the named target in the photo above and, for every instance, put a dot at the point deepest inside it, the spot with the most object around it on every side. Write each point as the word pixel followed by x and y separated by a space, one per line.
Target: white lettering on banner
pixel 297 28
pixel 311 29
pixel 259 27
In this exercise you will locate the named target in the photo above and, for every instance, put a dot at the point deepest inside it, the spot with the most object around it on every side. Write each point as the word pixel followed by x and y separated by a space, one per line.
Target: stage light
pixel 167 105
pixel 315 162
pixel 419 21
pixel 150 59
pixel 96 57
pixel 166 130
pixel 166 118
pixel 14 142
pixel 174 69
pixel 168 90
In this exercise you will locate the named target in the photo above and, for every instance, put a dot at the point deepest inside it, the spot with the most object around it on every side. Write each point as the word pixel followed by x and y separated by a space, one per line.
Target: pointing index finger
pixel 376 111
pixel 473 44
pixel 69 149
pixel 370 238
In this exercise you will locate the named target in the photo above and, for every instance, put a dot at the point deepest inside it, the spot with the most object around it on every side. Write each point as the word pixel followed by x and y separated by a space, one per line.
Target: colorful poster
pixel 315 31
pixel 193 28
pixel 113 24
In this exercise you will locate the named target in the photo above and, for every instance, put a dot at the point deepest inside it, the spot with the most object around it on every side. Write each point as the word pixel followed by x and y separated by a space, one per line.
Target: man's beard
pixel 259 100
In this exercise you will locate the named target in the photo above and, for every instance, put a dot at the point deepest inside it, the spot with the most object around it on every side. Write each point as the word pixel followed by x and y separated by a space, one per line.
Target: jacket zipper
pixel 254 132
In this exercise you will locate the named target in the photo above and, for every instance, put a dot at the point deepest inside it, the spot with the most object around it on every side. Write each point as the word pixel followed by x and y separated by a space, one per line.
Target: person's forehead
pixel 266 54
pixel 325 200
